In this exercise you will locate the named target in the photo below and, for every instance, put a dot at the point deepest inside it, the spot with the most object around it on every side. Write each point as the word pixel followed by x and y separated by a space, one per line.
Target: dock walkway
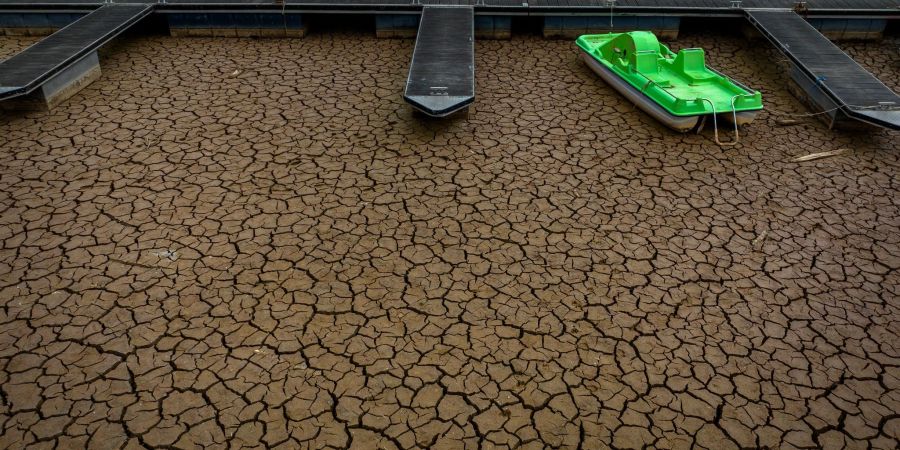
pixel 847 87
pixel 693 8
pixel 442 72
pixel 69 48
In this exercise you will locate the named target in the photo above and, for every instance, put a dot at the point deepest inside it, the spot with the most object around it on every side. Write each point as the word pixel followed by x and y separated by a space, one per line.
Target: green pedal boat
pixel 676 89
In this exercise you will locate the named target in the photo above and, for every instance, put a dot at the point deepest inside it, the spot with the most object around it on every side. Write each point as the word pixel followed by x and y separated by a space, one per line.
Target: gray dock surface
pixel 694 8
pixel 442 72
pixel 27 70
pixel 859 94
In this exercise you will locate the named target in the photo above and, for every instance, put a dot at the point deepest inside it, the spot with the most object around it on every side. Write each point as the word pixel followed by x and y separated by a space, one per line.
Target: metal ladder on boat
pixel 737 135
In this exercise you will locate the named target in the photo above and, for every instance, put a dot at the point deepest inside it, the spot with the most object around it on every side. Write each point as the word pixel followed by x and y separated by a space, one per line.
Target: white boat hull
pixel 743 117
pixel 678 123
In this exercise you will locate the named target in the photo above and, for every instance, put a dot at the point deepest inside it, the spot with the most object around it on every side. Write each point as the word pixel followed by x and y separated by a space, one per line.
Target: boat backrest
pixel 690 60
pixel 692 63
pixel 646 61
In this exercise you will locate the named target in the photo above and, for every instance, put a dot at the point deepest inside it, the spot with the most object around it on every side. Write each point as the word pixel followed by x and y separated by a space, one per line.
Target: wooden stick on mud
pixel 819 155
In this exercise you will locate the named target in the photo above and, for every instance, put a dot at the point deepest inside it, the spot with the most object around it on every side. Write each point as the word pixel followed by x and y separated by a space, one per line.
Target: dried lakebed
pixel 246 243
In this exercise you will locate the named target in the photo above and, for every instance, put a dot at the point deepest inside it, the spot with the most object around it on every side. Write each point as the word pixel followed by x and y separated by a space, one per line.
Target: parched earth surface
pixel 245 243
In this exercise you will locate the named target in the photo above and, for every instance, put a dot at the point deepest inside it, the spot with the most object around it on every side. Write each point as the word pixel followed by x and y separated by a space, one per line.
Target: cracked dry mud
pixel 243 243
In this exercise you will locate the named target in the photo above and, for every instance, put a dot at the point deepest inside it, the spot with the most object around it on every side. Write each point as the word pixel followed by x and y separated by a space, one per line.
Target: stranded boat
pixel 676 89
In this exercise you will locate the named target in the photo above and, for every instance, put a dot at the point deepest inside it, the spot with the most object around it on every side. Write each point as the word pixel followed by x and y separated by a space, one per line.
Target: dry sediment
pixel 254 242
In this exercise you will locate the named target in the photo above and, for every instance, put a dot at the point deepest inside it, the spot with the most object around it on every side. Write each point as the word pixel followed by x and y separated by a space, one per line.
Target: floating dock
pixel 57 66
pixel 441 75
pixel 834 82
pixel 442 72
pixel 693 8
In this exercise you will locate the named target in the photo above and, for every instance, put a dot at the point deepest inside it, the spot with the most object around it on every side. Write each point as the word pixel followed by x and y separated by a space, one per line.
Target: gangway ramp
pixel 833 80
pixel 67 59
pixel 442 73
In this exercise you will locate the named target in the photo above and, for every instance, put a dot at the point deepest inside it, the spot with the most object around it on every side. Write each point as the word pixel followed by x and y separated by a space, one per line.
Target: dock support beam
pixel 56 67
pixel 236 24
pixel 850 29
pixel 407 25
pixel 836 29
pixel 58 88
pixel 35 23
pixel 570 27
pixel 396 25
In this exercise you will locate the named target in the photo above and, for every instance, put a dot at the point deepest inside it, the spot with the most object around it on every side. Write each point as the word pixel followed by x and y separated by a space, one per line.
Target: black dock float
pixel 442 73
pixel 832 80
pixel 57 66
pixel 867 9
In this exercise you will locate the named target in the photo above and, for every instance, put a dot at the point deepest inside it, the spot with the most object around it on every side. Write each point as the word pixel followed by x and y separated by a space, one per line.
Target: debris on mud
pixel 166 254
pixel 820 155
pixel 760 238
pixel 787 122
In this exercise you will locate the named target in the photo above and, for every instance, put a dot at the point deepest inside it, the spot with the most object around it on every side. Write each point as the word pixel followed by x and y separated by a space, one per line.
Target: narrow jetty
pixel 442 73
pixel 57 66
pixel 832 80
